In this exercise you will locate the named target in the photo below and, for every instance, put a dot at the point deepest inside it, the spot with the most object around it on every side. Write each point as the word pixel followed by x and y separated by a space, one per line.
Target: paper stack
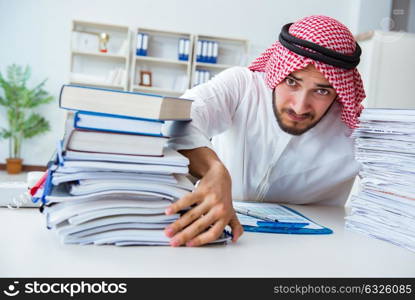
pixel 385 205
pixel 112 180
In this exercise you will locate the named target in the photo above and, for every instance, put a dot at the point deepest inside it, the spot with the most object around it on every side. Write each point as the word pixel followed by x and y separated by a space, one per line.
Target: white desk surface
pixel 28 249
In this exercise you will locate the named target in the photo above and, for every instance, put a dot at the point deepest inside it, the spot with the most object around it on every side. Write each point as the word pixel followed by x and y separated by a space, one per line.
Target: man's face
pixel 302 99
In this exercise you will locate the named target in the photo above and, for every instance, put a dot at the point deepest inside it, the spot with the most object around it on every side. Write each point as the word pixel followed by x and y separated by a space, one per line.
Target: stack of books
pixel 113 176
pixel 384 208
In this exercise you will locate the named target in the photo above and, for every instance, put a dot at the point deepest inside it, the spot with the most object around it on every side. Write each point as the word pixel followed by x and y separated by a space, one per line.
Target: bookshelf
pixel 230 52
pixel 94 62
pixel 122 67
pixel 169 75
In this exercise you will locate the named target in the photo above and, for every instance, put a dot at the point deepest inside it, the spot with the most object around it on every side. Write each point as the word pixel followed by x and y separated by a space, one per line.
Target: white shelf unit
pixel 89 66
pixel 231 52
pixel 169 75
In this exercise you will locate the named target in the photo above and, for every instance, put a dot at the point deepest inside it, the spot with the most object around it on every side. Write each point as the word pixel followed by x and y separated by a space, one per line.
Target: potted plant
pixel 19 102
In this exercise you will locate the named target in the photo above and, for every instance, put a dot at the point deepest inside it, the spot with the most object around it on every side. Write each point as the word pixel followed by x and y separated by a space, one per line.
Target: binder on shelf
pixel 199 51
pixel 215 52
pixel 184 49
pixel 139 43
pixel 204 51
pixel 181 49
pixel 202 76
pixel 142 44
pixel 209 57
pixel 207 51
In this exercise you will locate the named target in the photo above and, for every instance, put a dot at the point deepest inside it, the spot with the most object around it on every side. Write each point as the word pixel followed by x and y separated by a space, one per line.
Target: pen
pixel 38 184
pixel 250 213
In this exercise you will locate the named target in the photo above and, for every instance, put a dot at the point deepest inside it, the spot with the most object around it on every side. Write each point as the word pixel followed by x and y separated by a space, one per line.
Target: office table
pixel 28 249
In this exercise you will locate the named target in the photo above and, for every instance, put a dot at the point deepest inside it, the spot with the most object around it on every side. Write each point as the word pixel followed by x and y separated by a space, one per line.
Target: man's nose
pixel 300 104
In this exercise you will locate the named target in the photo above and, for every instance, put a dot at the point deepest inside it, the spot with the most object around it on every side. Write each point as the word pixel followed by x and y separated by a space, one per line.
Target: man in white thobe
pixel 278 131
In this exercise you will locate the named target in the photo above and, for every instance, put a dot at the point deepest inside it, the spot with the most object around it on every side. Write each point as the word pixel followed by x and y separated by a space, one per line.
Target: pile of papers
pixel 111 181
pixel 110 199
pixel 385 205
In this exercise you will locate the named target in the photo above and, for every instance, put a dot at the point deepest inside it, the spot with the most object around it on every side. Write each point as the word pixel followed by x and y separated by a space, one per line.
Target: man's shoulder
pixel 244 76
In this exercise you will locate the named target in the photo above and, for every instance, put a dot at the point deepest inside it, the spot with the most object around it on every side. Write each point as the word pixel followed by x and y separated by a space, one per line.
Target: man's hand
pixel 213 210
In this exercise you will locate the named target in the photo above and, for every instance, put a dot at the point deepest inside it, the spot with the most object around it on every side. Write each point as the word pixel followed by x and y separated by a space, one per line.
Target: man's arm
pixel 212 198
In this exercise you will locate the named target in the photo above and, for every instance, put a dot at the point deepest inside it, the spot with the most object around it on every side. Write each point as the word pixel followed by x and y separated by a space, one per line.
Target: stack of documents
pixel 110 186
pixel 385 205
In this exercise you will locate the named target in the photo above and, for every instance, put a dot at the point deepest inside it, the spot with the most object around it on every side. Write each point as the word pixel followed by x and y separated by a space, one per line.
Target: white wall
pixel 411 21
pixel 372 15
pixel 37 32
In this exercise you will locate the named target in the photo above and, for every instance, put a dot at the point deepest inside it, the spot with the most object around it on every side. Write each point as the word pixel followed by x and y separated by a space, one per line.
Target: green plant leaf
pixel 5 134
pixel 19 100
pixel 34 125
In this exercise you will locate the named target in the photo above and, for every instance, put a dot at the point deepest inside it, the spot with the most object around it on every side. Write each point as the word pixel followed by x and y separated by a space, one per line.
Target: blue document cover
pixel 276 218
pixel 117 124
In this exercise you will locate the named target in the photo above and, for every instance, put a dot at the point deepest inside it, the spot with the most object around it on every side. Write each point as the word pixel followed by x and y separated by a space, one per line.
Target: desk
pixel 28 249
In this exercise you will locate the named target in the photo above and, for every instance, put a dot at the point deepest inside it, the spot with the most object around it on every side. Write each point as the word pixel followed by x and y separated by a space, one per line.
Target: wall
pixel 372 14
pixel 411 21
pixel 37 33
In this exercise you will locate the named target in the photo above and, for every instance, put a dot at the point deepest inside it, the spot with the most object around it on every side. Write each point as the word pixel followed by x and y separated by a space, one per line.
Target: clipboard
pixel 285 220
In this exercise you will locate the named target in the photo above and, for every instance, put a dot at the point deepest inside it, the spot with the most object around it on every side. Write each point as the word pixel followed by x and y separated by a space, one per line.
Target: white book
pixel 108 227
pixel 164 189
pixel 110 212
pixel 72 166
pixel 114 143
pixel 179 181
pixel 111 237
pixel 170 157
pixel 59 178
pixel 223 239
pixel 129 237
pixel 150 220
pixel 56 215
pixel 60 194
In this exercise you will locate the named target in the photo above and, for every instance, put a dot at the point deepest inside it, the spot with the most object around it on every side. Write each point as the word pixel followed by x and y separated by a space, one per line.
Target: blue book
pixel 122 103
pixel 275 218
pixel 118 124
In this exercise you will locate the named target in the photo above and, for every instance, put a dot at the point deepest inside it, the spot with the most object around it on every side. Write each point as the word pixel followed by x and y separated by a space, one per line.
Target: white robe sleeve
pixel 214 106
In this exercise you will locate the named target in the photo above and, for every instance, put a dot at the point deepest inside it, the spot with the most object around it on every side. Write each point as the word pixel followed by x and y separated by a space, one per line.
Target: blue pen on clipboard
pixel 268 221
pixel 250 213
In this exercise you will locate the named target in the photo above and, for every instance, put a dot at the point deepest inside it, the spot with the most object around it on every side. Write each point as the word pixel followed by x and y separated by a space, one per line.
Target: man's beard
pixel 293 130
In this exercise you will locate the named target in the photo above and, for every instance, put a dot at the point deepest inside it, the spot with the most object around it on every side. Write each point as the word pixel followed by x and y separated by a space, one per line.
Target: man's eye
pixel 322 92
pixel 290 82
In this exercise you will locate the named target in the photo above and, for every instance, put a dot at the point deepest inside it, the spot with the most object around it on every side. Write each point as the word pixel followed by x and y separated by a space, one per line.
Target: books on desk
pixel 384 208
pixel 109 184
pixel 275 218
pixel 127 104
